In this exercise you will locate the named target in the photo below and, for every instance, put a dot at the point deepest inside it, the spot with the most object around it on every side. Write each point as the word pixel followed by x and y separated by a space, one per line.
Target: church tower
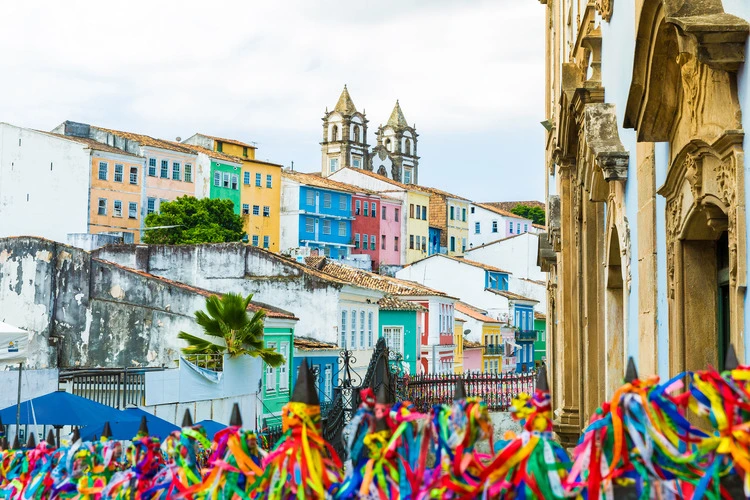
pixel 344 137
pixel 397 141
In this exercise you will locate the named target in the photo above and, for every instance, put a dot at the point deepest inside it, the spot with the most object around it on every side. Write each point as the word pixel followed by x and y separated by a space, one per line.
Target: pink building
pixel 473 355
pixel 390 232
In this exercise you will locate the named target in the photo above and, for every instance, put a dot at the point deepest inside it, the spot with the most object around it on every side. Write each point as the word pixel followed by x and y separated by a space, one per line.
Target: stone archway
pixel 614 312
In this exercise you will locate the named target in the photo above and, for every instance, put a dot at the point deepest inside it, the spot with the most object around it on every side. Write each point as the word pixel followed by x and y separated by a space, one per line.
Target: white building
pixel 489 223
pixel 44 184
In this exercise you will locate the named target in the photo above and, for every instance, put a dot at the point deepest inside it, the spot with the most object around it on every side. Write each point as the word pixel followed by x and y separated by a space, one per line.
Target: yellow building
pixel 448 221
pixel 260 190
pixel 490 335
pixel 417 227
pixel 458 342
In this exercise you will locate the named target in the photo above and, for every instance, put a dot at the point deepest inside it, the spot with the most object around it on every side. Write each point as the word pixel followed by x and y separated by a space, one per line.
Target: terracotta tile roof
pixel 323 182
pixel 462 260
pixel 468 344
pixel 498 241
pixel 382 178
pixel 229 141
pixel 146 140
pixel 390 303
pixel 393 286
pixel 510 205
pixel 499 211
pixel 538 315
pixel 536 282
pixel 459 320
pixel 474 313
pixel 92 144
pixel 539 226
pixel 308 344
pixel 271 311
pixel 510 295
pixel 211 154
pixel 439 192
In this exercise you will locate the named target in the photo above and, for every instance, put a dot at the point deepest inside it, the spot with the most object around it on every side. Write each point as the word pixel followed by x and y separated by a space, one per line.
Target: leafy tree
pixel 195 221
pixel 227 318
pixel 536 214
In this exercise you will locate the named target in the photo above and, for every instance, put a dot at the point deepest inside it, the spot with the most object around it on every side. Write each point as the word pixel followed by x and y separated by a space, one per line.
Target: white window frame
pixel 245 209
pixel 176 169
pixel 235 182
pixel 328 381
pixel 326 226
pixel 373 242
pixel 132 209
pixel 269 180
pixel 388 333
pixel 284 368
pixel 342 229
pixel 270 372
pixel 370 328
pixel 133 176
pixel 309 225
pixel 150 205
pixel 217 179
pixel 152 167
pixel 164 169
pixel 353 330
pixel 326 200
pixel 364 242
pixel 117 212
pixel 334 164
pixel 310 198
pixel 258 180
pixel 225 180
pixel 255 240
pixel 119 172
pixel 266 242
pixel 256 209
pixel 102 210
pixel 362 329
pixel 343 328
pixel 266 211
pixel 246 178
pixel 188 174
pixel 366 209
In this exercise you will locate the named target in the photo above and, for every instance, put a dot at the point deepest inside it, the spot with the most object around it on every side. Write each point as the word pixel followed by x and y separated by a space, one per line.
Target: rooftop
pixel 390 303
pixel 536 282
pixel 345 105
pixel 510 295
pixel 510 205
pixel 308 344
pixel 499 240
pixel 468 344
pixel 411 187
pixel 230 141
pixel 439 192
pixel 474 313
pixel 146 140
pixel 311 179
pixel 538 315
pixel 462 260
pixel 92 144
pixel 397 119
pixel 211 154
pixel 505 213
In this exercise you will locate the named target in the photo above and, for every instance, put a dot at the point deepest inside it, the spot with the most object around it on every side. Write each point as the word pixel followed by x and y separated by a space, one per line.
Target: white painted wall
pixel 44 184
pixel 485 218
pixel 289 218
pixel 34 383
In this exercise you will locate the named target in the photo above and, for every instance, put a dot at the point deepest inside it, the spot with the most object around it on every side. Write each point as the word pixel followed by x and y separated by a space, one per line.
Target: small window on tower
pixel 407 147
pixel 388 144
pixel 356 133
pixel 334 133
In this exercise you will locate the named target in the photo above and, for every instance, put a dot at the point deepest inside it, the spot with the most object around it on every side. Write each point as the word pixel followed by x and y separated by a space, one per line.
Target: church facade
pixel 345 143
pixel 646 244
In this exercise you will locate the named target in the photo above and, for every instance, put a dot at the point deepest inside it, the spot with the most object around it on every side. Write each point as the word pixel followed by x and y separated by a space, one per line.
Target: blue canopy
pixel 127 424
pixel 61 408
pixel 211 427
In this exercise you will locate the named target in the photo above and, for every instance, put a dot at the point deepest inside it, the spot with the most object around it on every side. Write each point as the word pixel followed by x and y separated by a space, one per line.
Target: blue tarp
pixel 212 427
pixel 62 408
pixel 126 426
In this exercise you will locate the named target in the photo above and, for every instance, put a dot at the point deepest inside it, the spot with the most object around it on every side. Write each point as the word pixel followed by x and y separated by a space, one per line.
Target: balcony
pixel 526 335
pixel 493 350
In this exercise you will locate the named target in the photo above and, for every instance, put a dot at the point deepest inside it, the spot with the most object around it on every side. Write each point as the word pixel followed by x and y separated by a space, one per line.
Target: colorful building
pixel 473 356
pixel 258 188
pixel 488 330
pixel 390 232
pixel 458 342
pixel 399 325
pixel 489 223
pixel 449 222
pixel 316 214
pixel 366 225
pixel 323 358
pixel 540 346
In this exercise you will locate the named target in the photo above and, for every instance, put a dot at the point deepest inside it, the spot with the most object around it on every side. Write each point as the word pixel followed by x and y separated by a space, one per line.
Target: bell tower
pixel 344 137
pixel 399 141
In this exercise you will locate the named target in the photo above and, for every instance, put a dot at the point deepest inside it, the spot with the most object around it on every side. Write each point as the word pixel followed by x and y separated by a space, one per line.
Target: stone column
pixel 647 258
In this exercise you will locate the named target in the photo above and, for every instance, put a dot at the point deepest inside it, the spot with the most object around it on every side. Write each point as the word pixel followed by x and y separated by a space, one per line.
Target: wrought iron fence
pixel 115 387
pixel 497 389
pixel 269 436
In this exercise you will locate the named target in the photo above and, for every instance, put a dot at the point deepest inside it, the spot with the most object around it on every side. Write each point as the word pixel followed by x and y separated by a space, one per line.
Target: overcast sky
pixel 468 73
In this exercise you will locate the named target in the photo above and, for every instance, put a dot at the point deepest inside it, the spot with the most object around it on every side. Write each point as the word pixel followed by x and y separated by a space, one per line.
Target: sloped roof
pixel 499 240
pixel 438 192
pixel 536 282
pixel 411 187
pixel 345 105
pixel 230 141
pixel 468 344
pixel 310 179
pixel 539 226
pixel 146 140
pixel 509 295
pixel 308 344
pixel 474 313
pixel 393 286
pixel 510 205
pixel 210 153
pixel 538 315
pixel 390 303
pixel 462 260
pixel 397 119
pixel 500 211
pixel 92 144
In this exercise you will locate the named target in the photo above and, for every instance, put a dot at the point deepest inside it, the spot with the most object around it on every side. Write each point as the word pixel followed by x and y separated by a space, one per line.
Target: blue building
pixel 323 360
pixel 316 213
pixel 434 245
pixel 523 322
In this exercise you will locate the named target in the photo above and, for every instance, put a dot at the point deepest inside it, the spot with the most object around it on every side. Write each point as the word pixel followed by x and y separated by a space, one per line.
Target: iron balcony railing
pixel 527 335
pixel 493 350
pixel 116 387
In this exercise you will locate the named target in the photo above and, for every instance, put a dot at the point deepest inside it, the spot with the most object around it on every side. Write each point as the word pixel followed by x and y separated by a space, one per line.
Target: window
pixel 269 180
pixel 244 151
pixel 357 207
pixel 256 209
pixel 118 173
pixel 361 329
pixel 188 173
pixel 283 371
pixel 356 240
pixel 246 178
pixel 511 227
pixel 476 228
pixel 497 281
pixel 176 171
pixel 326 227
pixel 152 167
pixel 453 243
pixel 407 176
pixel 134 175
pixel 373 242
pixel 364 242
pixel 310 198
pixel 518 228
pixel 382 242
pixel 217 179
pixel 270 371
pixel 235 182
pixel 164 171
pixel 395 243
pixel 326 200
pixel 266 211
pixel 394 338
pixel 328 382
pixel 117 212
pixel 102 206
pixel 424 244
pixel 419 211
pixel 366 210
pixel 225 179
pixel 463 244
pixel 255 240
pixel 355 129
pixel 245 209
pixel 257 180
pixel 342 229
pixel 353 332
pixel 334 164
pixel 343 330
pixel 424 212
pixel 369 328
pixel 132 210
pixel 411 242
pixel 451 212
pixel 342 202
pixel 525 228
pixel 395 210
pixel 463 214
pixel 494 226
pixel 309 225
pixel 356 162
pixel 411 210
pixel 219 146
pixel 383 214
pixel 150 205
pixel 266 242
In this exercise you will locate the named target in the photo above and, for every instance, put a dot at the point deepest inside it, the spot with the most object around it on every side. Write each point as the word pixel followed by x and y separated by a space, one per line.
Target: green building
pixel 278 333
pixel 540 346
pixel 398 321
pixel 225 182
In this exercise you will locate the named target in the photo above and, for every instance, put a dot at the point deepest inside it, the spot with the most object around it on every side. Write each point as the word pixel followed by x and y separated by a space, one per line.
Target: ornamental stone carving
pixel 694 174
pixel 604 7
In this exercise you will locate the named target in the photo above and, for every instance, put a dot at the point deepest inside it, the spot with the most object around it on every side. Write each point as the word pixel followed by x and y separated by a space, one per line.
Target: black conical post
pixel 31 442
pixel 304 389
pixel 187 420
pixel 16 443
pixel 143 428
pixel 4 445
pixel 76 436
pixel 730 360
pixel 631 374
pixel 51 439
pixel 542 384
pixel 459 392
pixel 236 419
pixel 107 431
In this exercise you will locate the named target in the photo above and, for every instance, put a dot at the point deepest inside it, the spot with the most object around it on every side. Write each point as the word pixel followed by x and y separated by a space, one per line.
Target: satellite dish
pixel 178 139
pixel 467 331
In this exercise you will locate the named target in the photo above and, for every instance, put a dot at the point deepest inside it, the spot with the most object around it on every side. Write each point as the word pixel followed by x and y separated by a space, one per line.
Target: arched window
pixel 334 133
pixel 356 133
pixel 388 144
pixel 407 147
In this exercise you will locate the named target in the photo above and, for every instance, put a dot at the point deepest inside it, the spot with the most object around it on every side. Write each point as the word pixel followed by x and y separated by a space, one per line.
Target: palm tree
pixel 226 317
